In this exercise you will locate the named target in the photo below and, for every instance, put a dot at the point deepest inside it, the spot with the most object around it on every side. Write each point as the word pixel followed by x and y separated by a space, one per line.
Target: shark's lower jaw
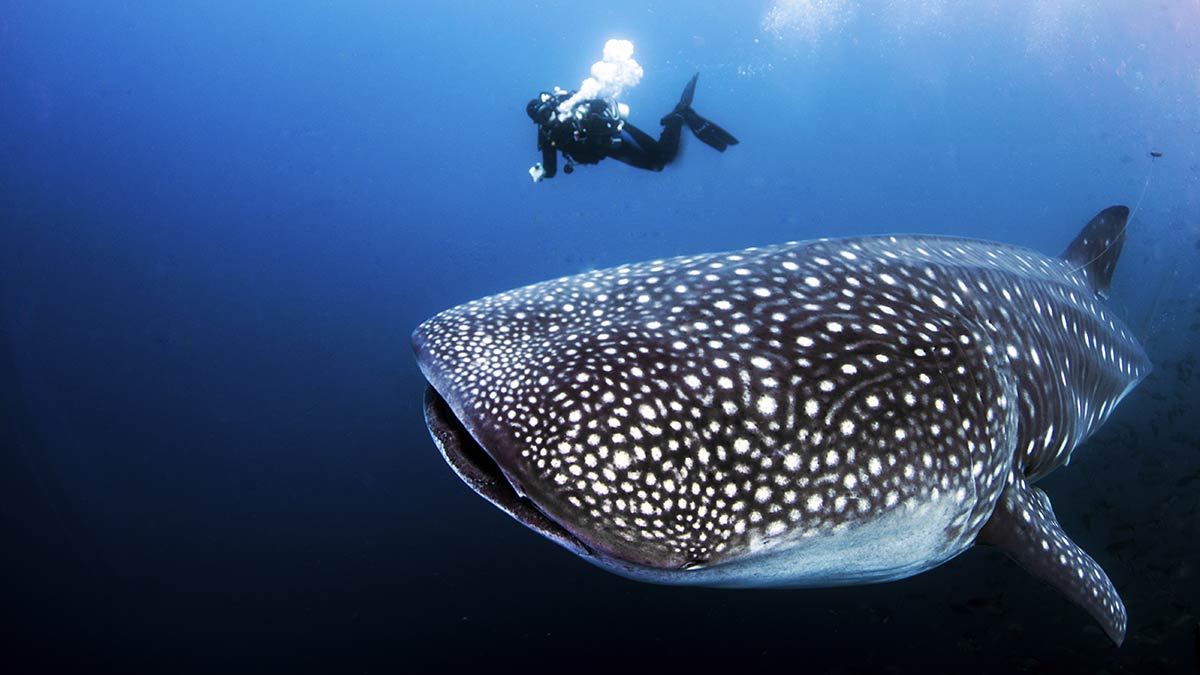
pixel 479 471
pixel 795 567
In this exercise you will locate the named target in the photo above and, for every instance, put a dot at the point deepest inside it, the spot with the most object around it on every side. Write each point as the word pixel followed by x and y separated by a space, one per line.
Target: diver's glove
pixel 536 172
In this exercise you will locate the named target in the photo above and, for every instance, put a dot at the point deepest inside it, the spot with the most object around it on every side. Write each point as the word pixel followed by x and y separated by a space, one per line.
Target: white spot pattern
pixel 667 410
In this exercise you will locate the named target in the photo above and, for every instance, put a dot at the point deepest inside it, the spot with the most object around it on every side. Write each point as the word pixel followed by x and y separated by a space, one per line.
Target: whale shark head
pixel 699 412
pixel 809 414
pixel 685 413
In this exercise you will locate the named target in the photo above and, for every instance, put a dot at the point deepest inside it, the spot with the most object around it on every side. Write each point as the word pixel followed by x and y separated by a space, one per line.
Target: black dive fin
pixel 685 103
pixel 685 99
pixel 1023 526
pixel 709 133
pixel 1095 251
pixel 706 131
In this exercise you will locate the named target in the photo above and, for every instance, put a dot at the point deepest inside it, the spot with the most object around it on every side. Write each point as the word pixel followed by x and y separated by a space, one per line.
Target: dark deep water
pixel 221 221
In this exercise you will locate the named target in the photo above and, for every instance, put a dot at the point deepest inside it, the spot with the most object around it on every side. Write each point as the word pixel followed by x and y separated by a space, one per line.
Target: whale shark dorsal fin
pixel 1023 526
pixel 1095 251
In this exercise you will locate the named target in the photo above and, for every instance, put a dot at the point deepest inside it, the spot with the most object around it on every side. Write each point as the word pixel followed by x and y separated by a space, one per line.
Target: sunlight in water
pixel 807 20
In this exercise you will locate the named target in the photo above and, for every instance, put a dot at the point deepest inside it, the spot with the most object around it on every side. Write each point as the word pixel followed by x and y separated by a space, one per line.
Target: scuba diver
pixel 593 130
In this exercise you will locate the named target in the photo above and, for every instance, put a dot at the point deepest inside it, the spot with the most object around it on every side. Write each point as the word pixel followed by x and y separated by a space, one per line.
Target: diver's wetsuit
pixel 594 132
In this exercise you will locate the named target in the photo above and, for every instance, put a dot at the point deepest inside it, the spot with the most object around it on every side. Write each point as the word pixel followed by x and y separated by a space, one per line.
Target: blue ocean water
pixel 219 223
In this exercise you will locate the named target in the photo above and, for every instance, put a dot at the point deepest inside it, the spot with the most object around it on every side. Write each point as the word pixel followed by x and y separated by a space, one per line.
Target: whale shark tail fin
pixel 1024 527
pixel 1095 251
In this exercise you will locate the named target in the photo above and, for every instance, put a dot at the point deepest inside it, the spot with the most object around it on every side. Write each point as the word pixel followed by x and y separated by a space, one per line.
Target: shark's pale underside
pixel 819 413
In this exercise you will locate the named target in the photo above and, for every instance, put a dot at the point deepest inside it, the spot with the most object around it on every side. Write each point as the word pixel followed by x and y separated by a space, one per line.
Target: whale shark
pixel 816 413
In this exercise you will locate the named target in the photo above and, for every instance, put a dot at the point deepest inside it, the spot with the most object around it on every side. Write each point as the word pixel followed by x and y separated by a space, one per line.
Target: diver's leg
pixel 661 152
pixel 635 148
pixel 668 141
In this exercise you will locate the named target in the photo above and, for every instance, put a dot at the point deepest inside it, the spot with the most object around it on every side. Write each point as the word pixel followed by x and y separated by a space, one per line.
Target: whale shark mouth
pixel 480 472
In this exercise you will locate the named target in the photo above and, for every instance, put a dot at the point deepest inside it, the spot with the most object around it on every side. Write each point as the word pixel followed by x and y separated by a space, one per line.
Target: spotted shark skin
pixel 818 413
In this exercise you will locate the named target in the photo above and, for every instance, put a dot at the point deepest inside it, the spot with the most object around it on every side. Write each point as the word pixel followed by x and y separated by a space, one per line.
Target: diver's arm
pixel 549 164
pixel 549 159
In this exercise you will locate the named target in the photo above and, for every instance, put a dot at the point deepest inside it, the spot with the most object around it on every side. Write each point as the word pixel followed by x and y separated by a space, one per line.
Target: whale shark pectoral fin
pixel 1023 526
